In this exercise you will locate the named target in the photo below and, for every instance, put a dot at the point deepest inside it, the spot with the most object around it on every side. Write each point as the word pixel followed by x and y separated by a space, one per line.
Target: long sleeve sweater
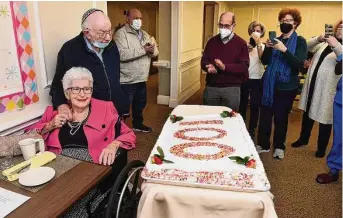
pixel 234 55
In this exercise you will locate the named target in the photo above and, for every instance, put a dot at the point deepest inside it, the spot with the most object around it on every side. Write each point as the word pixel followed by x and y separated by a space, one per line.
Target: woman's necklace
pixel 74 127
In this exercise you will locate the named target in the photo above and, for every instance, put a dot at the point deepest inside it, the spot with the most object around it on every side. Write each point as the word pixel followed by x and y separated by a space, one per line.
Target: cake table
pixel 198 177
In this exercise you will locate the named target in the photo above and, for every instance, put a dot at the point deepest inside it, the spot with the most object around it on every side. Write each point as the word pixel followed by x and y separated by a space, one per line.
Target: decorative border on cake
pixel 179 151
pixel 237 180
pixel 199 122
pixel 181 134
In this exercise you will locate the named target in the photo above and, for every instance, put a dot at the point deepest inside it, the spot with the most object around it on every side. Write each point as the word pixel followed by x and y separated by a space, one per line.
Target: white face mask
pixel 100 44
pixel 224 33
pixel 257 34
pixel 137 24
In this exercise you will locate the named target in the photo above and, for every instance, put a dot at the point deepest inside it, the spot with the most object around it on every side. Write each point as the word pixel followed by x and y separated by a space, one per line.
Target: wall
pixel 39 13
pixel 314 15
pixel 187 33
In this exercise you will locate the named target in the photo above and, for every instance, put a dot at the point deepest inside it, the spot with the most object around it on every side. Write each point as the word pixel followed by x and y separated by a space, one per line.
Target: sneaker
pixel 279 153
pixel 259 149
pixel 142 128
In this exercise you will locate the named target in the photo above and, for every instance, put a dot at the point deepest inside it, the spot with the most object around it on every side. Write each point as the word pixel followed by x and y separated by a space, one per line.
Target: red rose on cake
pixel 251 163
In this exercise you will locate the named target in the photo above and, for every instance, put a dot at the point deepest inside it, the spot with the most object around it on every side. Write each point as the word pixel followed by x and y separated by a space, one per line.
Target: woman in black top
pixel 284 58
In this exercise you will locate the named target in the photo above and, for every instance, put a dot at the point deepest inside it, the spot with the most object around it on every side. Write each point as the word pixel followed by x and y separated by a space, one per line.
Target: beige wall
pixel 314 15
pixel 187 33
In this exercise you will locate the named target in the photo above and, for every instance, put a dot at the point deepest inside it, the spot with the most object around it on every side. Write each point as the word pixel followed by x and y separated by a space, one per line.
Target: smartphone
pixel 272 36
pixel 328 30
pixel 252 42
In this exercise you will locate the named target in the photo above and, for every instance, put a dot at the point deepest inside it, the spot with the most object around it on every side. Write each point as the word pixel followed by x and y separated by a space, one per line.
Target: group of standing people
pixel 268 73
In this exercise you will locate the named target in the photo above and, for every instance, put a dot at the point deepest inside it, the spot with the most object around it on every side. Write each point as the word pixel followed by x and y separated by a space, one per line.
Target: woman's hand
pixel 269 44
pixel 108 154
pixel 332 41
pixel 256 39
pixel 321 38
pixel 280 46
pixel 58 121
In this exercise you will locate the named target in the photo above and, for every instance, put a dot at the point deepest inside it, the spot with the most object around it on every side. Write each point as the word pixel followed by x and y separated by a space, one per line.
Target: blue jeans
pixel 137 95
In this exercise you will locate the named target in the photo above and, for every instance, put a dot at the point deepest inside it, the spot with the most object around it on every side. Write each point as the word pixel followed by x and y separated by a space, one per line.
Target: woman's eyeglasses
pixel 77 90
pixel 286 21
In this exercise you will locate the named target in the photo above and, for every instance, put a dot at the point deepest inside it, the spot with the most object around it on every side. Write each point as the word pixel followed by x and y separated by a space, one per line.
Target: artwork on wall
pixel 18 81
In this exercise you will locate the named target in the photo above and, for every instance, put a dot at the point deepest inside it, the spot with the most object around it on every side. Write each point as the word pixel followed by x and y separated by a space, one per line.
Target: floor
pixel 296 194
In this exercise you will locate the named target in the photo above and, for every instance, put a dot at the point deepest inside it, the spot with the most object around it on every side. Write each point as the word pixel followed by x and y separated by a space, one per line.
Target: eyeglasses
pixel 224 26
pixel 77 90
pixel 286 21
pixel 103 34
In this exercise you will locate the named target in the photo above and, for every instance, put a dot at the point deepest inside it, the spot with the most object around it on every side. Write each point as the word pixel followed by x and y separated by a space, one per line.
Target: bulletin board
pixel 18 81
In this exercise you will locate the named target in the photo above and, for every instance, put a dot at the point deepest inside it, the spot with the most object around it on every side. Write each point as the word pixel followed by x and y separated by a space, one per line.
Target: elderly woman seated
pixel 90 134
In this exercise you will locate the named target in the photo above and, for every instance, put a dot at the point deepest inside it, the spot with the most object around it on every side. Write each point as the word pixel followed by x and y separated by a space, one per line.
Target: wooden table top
pixel 57 196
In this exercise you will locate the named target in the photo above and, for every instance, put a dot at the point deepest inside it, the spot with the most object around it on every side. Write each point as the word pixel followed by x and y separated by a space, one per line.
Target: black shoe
pixel 320 154
pixel 298 144
pixel 142 128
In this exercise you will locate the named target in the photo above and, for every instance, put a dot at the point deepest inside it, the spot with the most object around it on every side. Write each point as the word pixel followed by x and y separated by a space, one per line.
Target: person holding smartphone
pixel 319 89
pixel 252 87
pixel 284 56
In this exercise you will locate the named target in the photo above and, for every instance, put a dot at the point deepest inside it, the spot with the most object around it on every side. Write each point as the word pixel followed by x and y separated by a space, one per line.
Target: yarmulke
pixel 89 12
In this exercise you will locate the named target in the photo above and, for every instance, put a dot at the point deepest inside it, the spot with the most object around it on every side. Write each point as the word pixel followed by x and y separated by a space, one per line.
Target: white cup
pixel 28 147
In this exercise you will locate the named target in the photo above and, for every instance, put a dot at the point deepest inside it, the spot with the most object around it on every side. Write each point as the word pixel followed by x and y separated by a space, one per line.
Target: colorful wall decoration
pixel 18 81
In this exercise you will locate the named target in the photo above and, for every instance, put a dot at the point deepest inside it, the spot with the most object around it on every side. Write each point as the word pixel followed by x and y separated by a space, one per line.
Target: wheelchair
pixel 123 198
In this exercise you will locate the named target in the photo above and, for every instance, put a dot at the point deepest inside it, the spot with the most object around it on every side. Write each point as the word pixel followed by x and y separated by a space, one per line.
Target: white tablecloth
pixel 166 201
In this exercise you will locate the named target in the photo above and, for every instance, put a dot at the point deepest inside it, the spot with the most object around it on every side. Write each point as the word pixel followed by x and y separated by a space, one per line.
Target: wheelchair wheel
pixel 125 205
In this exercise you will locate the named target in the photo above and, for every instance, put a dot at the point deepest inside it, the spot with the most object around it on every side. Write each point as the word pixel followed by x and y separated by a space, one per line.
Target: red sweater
pixel 234 54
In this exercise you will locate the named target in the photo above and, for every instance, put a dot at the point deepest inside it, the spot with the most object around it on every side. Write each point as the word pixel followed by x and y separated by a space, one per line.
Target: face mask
pixel 257 34
pixel 224 33
pixel 286 27
pixel 137 24
pixel 100 44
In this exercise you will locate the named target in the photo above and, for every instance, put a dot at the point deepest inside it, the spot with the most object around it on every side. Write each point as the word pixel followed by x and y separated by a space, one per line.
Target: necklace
pixel 75 126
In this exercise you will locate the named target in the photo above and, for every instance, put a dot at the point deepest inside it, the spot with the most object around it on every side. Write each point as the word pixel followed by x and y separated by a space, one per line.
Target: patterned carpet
pixel 297 195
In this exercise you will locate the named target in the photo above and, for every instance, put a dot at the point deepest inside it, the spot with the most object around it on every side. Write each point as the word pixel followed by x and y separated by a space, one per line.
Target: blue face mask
pixel 101 45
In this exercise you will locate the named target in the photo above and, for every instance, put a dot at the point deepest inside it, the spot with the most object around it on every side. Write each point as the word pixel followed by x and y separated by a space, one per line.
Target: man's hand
pixel 332 41
pixel 108 154
pixel 149 49
pixel 280 46
pixel 65 109
pixel 211 69
pixel 219 64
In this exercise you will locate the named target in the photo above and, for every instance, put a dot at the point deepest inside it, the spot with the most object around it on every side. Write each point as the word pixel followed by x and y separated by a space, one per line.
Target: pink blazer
pixel 99 129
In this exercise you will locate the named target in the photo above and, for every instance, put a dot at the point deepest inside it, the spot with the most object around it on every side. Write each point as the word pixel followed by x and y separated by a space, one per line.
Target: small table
pixel 159 200
pixel 57 196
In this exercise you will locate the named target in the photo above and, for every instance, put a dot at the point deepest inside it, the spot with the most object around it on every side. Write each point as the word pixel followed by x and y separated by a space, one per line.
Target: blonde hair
pixel 252 25
pixel 76 73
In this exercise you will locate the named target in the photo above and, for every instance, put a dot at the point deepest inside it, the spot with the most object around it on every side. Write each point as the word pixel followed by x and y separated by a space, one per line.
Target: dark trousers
pixel 282 104
pixel 137 95
pixel 251 88
pixel 324 132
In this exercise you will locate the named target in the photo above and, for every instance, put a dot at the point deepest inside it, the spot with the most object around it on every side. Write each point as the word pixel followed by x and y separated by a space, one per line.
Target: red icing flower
pixel 251 163
pixel 157 160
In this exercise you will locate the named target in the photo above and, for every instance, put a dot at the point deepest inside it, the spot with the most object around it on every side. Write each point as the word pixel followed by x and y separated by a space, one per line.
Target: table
pixel 56 197
pixel 166 201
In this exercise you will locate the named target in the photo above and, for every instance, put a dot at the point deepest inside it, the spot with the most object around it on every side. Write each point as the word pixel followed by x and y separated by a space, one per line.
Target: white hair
pixel 76 73
pixel 85 24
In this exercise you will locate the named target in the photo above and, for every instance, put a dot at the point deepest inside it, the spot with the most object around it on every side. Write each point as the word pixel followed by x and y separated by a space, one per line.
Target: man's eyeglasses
pixel 224 26
pixel 77 90
pixel 103 34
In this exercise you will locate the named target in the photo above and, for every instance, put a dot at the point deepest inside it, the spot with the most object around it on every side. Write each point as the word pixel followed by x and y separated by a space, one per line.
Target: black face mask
pixel 286 27
pixel 252 42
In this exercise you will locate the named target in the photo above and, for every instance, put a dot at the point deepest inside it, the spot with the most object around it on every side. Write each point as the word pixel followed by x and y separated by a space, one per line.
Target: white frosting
pixel 237 137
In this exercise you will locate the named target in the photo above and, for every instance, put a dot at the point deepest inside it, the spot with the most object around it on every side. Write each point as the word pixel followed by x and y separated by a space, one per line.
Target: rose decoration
pixel 159 158
pixel 174 118
pixel 247 161
pixel 232 113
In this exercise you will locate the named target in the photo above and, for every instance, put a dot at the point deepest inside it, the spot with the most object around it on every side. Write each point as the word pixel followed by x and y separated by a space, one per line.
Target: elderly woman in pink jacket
pixel 89 133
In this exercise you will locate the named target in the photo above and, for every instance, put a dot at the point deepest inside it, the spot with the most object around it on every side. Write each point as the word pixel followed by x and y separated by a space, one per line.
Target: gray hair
pixel 76 73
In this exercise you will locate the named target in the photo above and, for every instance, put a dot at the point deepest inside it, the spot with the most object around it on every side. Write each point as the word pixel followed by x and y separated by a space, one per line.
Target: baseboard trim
pixel 163 99
pixel 185 95
pixel 173 103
